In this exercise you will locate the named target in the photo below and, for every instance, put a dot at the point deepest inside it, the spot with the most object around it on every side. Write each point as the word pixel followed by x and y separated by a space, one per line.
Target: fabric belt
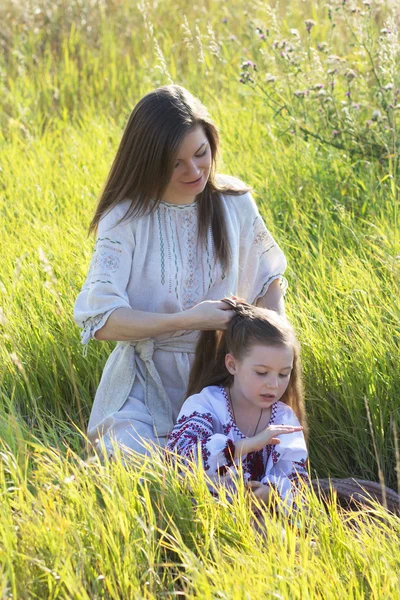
pixel 121 371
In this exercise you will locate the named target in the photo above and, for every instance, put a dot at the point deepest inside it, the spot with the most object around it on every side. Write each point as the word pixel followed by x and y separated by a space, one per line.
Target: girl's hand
pixel 268 435
pixel 260 490
pixel 264 438
pixel 208 315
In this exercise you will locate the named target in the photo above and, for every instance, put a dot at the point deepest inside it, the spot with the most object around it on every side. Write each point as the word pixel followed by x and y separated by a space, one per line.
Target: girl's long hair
pixel 251 325
pixel 145 158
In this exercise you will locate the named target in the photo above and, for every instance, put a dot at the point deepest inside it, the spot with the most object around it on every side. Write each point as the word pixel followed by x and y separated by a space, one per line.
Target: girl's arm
pixel 193 438
pixel 287 478
pixel 286 469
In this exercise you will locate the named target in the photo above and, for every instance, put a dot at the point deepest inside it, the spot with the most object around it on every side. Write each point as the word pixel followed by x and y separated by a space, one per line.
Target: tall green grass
pixel 70 529
pixel 70 74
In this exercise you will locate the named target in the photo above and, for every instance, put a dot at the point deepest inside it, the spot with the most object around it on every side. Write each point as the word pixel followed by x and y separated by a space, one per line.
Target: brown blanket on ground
pixel 351 493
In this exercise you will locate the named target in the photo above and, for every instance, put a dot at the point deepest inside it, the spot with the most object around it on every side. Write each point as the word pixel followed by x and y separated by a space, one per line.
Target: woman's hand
pixel 264 438
pixel 208 315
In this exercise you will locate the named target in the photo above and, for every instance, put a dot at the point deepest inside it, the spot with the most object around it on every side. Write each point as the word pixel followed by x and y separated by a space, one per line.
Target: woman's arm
pixel 125 324
pixel 273 298
pixel 262 262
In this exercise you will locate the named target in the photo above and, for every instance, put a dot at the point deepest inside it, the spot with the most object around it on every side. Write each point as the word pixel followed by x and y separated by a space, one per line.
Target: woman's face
pixel 191 168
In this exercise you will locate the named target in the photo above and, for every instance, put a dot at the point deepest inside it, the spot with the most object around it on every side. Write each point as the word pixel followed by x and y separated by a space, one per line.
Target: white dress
pixel 155 263
pixel 206 429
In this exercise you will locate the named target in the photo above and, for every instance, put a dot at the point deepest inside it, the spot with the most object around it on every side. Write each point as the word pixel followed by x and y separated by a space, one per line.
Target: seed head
pixel 350 74
pixel 376 115
pixel 300 93
pixel 309 23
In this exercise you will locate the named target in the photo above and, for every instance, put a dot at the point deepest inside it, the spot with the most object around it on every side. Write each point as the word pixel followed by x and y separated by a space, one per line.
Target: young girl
pixel 246 403
pixel 173 238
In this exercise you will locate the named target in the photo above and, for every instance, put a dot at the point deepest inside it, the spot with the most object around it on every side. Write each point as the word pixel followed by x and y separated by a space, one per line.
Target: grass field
pixel 70 73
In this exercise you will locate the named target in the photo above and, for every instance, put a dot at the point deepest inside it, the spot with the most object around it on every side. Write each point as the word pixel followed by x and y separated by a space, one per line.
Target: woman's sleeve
pixel 105 288
pixel 193 438
pixel 261 260
pixel 286 469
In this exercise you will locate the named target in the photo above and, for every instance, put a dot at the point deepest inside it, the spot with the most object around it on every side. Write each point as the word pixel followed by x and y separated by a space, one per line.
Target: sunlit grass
pixel 79 529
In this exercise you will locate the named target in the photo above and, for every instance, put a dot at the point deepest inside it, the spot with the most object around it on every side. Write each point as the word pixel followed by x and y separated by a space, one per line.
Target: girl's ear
pixel 230 363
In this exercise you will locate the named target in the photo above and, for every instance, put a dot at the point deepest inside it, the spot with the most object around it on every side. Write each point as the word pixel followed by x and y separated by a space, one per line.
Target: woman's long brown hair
pixel 145 158
pixel 251 325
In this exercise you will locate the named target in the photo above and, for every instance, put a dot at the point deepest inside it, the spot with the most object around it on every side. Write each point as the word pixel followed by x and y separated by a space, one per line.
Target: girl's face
pixel 191 168
pixel 261 377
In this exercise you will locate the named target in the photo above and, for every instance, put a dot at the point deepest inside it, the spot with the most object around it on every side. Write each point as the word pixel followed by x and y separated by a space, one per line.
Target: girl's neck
pixel 241 403
pixel 248 418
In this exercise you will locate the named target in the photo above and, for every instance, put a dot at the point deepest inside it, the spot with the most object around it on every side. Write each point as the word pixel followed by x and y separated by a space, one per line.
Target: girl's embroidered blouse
pixel 206 423
pixel 156 264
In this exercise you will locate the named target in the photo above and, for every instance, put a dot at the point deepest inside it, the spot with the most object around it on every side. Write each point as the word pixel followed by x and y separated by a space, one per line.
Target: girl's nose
pixel 273 382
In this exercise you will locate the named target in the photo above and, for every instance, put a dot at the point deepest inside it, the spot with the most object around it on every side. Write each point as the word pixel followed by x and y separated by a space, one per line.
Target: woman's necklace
pixel 234 416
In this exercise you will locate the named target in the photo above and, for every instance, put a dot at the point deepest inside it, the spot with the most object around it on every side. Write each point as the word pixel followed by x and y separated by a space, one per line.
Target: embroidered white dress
pixel 206 424
pixel 156 264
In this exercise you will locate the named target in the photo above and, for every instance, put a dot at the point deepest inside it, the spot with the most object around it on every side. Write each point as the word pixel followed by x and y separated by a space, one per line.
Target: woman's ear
pixel 230 363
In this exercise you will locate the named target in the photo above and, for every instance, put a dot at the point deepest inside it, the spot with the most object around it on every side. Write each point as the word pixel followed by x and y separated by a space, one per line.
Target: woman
pixel 173 239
